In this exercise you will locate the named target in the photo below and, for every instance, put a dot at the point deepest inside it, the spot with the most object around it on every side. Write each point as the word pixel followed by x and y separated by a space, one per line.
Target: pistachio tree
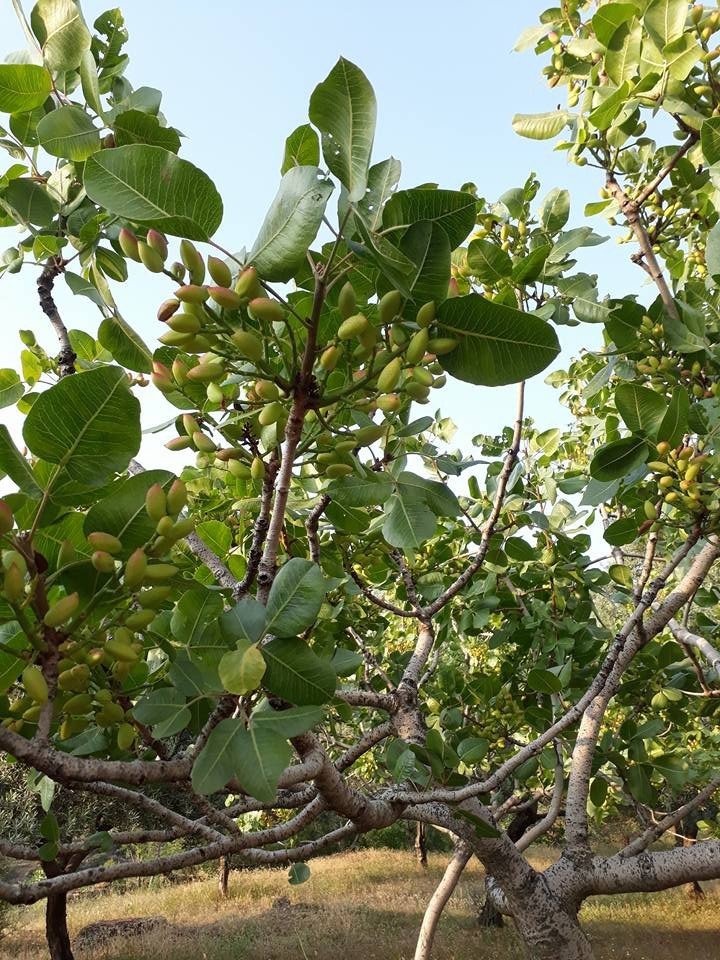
pixel 329 609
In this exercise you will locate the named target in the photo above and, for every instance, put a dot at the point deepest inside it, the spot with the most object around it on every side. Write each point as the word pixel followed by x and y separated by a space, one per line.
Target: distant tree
pixel 333 611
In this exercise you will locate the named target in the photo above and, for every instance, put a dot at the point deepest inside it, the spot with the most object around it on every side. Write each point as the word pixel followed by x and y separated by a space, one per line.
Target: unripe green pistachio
pixel 257 469
pixel 160 571
pixel 192 293
pixel 181 529
pixel 389 307
pixel 104 541
pixel 62 610
pixel 150 258
pixel 178 443
pixel 388 378
pixel 214 393
pixel 271 413
pixel 125 736
pixel 205 372
pixel 390 403
pixel 190 424
pixel 35 683
pixel 441 345
pixel 416 391
pixel 118 649
pixel 417 347
pixel 27 337
pixel 155 502
pixel 79 704
pixel 367 435
pixel 266 390
pixel 266 310
pixel 248 285
pixel 175 338
pixel 192 259
pixel 426 314
pixel 336 470
pixel 153 598
pixel 129 244
pixel 347 301
pixel 219 271
pixel 203 443
pixel 239 469
pixel 102 562
pixel 353 327
pixel 422 376
pixel 248 344
pixel 330 357
pixel 158 242
pixel 225 297
pixel 140 619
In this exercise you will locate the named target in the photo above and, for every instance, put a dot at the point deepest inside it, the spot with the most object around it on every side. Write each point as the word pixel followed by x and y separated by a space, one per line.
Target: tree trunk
pixel 489 915
pixel 223 876
pixel 56 931
pixel 552 934
pixel 421 844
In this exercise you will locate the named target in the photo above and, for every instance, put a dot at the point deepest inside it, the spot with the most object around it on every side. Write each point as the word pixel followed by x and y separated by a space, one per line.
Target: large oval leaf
pixel 343 108
pixel 540 126
pixel 497 344
pixel 291 224
pixel 453 210
pixel 89 424
pixel 295 598
pixel 641 408
pixel 23 86
pixel 618 458
pixel 61 30
pixel 68 132
pixel 152 186
pixel 295 673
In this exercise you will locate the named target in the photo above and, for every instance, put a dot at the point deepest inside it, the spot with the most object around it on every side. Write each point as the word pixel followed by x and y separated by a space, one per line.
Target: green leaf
pixel 262 757
pixel 610 106
pixel 218 760
pixel 61 30
pixel 439 497
pixel 343 108
pixel 68 132
pixel 125 345
pixel 383 178
pixel 291 224
pixel 609 17
pixel 290 722
pixel 544 681
pixel 295 598
pixel 618 458
pixel 90 83
pixel 681 56
pixel 480 826
pixel 31 201
pixel 427 246
pixel 11 387
pixel 710 139
pixel 152 186
pixel 246 621
pixel 497 344
pixel 639 785
pixel 540 126
pixel 622 59
pixel 195 612
pixel 89 424
pixel 163 709
pixel 216 534
pixel 488 261
pixel 555 210
pixel 12 641
pixel 302 149
pixel 241 670
pixel 23 86
pixel 675 422
pixel 665 20
pixel 298 873
pixel 295 673
pixel 530 268
pixel 136 126
pixel 122 513
pixel 14 464
pixel 641 408
pixel 366 491
pixel 453 210
pixel 621 532
pixel 621 574
pixel 408 520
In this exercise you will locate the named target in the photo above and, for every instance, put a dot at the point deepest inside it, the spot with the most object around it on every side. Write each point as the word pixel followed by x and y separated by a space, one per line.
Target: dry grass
pixel 360 906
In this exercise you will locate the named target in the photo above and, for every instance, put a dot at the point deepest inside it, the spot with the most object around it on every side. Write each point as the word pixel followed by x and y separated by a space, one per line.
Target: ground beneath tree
pixel 365 905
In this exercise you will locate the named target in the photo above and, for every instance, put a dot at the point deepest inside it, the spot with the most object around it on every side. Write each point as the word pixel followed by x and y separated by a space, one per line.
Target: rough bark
pixel 223 876
pixel 56 931
pixel 421 844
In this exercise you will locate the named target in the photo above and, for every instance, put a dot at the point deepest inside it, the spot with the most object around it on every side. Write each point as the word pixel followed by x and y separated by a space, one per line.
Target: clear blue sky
pixel 236 79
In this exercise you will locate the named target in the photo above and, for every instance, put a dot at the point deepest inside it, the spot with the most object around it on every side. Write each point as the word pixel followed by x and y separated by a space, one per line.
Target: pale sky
pixel 236 80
